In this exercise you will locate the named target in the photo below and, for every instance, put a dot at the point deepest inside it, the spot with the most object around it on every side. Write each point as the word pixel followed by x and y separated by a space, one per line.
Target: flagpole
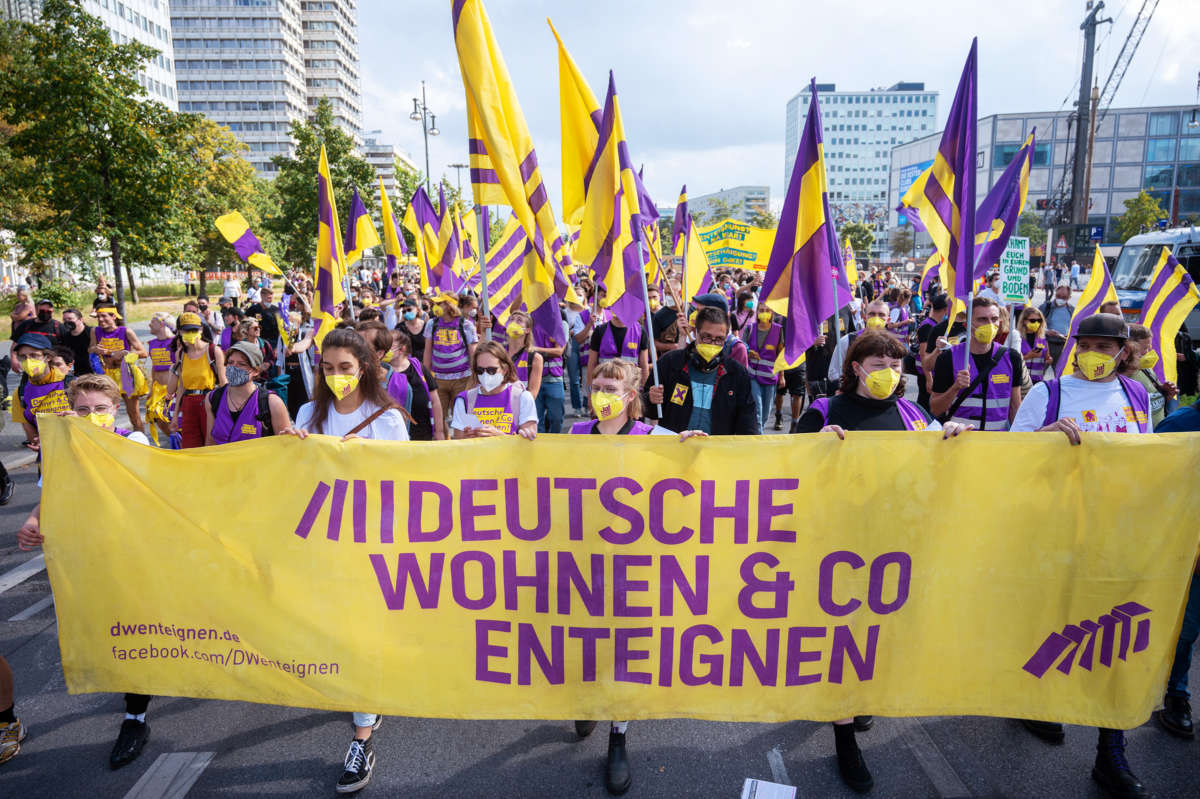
pixel 649 316
pixel 837 309
pixel 481 238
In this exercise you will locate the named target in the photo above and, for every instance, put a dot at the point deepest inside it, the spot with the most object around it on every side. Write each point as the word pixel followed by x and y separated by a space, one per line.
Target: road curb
pixel 18 460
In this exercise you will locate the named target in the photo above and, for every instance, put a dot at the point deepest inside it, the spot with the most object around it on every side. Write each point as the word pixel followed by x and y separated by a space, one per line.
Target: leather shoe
pixel 1176 717
pixel 584 728
pixel 617 774
pixel 130 740
pixel 1049 731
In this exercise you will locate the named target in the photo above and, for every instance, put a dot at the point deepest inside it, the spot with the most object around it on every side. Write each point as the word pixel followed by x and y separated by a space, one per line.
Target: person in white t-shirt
pixel 1095 398
pixel 495 403
pixel 992 289
pixel 351 402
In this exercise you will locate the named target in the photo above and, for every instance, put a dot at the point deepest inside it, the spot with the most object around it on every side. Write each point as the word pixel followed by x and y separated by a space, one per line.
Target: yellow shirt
pixel 196 374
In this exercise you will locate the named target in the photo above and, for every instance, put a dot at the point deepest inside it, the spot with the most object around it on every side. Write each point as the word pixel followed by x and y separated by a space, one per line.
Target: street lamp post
pixel 458 168
pixel 428 120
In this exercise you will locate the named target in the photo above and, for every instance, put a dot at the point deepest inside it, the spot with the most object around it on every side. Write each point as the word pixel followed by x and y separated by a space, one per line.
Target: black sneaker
pixel 1049 731
pixel 863 723
pixel 360 760
pixel 617 774
pixel 6 490
pixel 851 765
pixel 1176 717
pixel 584 728
pixel 1112 770
pixel 130 740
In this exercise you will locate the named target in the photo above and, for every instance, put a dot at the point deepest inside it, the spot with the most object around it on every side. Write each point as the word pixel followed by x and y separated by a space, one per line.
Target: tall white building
pixel 383 157
pixel 860 129
pixel 744 201
pixel 145 21
pixel 259 65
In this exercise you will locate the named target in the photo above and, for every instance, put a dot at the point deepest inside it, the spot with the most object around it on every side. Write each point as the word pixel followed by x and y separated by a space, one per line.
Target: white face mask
pixel 490 383
pixel 1059 301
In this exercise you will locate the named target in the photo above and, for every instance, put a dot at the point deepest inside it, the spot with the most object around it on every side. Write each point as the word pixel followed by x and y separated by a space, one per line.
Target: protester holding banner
pixel 199 368
pixel 984 392
pixel 702 387
pixel 1031 327
pixel 496 403
pixel 243 410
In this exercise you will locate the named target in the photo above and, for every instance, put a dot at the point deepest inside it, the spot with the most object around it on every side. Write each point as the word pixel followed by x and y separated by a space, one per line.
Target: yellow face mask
pixel 765 316
pixel 655 305
pixel 1033 327
pixel 438 311
pixel 190 336
pixel 341 385
pixel 607 405
pixel 1095 365
pixel 1149 360
pixel 105 420
pixel 876 323
pixel 515 330
pixel 692 318
pixel 985 334
pixel 387 356
pixel 882 383
pixel 34 367
pixel 709 351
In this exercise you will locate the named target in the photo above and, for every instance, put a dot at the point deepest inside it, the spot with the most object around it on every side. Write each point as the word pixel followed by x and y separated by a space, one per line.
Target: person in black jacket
pixel 701 387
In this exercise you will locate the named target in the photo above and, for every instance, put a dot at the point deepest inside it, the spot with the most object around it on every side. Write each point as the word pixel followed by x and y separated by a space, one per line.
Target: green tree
pixel 900 241
pixel 764 219
pixel 295 223
pixel 861 238
pixel 106 169
pixel 1141 214
pixel 1030 226
pixel 718 210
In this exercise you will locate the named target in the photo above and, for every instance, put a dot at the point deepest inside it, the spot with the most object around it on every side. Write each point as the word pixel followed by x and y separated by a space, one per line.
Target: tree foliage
pixel 900 241
pixel 295 223
pixel 861 238
pixel 764 219
pixel 1030 226
pixel 1141 214
pixel 718 209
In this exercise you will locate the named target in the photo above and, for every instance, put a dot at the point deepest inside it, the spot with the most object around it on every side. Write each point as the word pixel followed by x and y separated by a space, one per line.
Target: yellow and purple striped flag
pixel 422 221
pixel 942 200
pixel 236 230
pixel 505 263
pixel 580 116
pixel 998 215
pixel 360 231
pixel 1170 298
pixel 696 276
pixel 393 241
pixel 328 291
pixel 1099 290
pixel 805 260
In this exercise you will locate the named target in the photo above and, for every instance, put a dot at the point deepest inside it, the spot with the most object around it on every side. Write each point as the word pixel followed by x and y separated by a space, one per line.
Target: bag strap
pixel 367 422
pixel 214 398
pixel 263 396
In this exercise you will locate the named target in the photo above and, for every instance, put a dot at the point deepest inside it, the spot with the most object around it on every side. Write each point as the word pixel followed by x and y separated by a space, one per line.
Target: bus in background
pixel 1136 263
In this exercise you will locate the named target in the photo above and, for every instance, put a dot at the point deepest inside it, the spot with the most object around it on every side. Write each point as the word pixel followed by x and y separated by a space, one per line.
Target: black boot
pixel 1176 717
pixel 130 740
pixel 584 728
pixel 617 775
pixel 851 765
pixel 863 723
pixel 1112 770
pixel 1048 731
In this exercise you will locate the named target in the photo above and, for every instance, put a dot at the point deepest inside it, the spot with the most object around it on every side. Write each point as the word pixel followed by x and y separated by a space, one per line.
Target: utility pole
pixel 1079 197
pixel 458 168
pixel 1087 174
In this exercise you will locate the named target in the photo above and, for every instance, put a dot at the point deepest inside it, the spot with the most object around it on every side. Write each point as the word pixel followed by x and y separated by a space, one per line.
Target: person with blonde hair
pixel 162 358
pixel 1031 327
pixel 527 361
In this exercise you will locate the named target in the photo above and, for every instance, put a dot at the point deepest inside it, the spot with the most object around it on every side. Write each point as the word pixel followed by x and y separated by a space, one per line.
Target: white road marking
pixel 937 768
pixel 778 769
pixel 22 573
pixel 171 776
pixel 34 609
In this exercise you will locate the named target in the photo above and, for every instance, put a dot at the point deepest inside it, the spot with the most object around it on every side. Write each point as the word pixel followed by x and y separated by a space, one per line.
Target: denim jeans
pixel 1177 683
pixel 550 407
pixel 573 374
pixel 764 397
pixel 365 719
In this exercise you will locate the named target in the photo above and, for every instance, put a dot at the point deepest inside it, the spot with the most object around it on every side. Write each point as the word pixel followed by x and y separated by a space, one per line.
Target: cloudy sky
pixel 704 84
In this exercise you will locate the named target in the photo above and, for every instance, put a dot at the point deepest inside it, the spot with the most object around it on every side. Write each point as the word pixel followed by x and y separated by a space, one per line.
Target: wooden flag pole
pixel 649 314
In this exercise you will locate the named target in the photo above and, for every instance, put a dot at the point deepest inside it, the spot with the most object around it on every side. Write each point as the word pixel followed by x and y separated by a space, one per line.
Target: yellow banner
pixel 791 577
pixel 736 244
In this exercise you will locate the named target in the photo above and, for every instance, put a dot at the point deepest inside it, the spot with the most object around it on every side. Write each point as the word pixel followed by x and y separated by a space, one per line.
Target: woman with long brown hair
pixel 496 403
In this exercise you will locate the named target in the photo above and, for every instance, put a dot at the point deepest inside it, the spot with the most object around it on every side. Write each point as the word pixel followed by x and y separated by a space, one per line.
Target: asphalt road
pixel 221 749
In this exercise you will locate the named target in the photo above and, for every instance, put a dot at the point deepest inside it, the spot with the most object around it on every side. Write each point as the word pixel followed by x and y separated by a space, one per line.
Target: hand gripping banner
pixel 765 579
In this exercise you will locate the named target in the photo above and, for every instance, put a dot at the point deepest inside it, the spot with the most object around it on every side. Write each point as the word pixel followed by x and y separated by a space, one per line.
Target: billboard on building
pixel 908 176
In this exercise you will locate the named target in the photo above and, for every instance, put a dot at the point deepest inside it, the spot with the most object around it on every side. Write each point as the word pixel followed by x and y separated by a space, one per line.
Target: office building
pixel 743 203
pixel 259 66
pixel 860 129
pixel 145 21
pixel 383 158
pixel 1152 148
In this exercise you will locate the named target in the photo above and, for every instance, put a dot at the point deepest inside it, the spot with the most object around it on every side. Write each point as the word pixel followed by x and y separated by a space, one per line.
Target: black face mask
pixel 203 307
pixel 45 316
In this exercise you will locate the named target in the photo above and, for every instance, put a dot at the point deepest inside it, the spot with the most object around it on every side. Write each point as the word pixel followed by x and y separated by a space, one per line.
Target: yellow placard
pixel 784 577
pixel 732 243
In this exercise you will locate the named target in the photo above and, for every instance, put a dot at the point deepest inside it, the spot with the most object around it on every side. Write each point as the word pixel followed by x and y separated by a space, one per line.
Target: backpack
pixel 263 417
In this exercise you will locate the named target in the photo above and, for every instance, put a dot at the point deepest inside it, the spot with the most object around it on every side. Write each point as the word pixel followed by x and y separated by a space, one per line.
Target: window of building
pixel 1159 177
pixel 1164 124
pixel 1189 148
pixel 1161 150
pixel 1189 203
pixel 1189 174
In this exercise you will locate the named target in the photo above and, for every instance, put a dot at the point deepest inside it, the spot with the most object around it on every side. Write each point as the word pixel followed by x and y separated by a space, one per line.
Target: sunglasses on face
pixel 491 370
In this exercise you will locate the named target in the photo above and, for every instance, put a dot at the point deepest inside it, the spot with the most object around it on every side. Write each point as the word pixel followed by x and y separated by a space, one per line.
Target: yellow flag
pixel 580 113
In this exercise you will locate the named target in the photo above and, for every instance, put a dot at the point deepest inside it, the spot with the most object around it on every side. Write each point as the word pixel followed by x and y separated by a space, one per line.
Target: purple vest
pixel 399 389
pixel 1135 392
pixel 762 351
pixel 46 398
pixel 500 410
pixel 1036 364
pixel 910 414
pixel 113 340
pixel 227 429
pixel 629 347
pixel 162 356
pixel 551 367
pixel 994 395
pixel 449 347
pixel 521 361
pixel 226 339
pixel 904 317
pixel 638 429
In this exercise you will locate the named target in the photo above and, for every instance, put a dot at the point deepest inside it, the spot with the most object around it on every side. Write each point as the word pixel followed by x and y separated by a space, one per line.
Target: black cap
pixel 941 302
pixel 1105 325
pixel 712 300
pixel 663 318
